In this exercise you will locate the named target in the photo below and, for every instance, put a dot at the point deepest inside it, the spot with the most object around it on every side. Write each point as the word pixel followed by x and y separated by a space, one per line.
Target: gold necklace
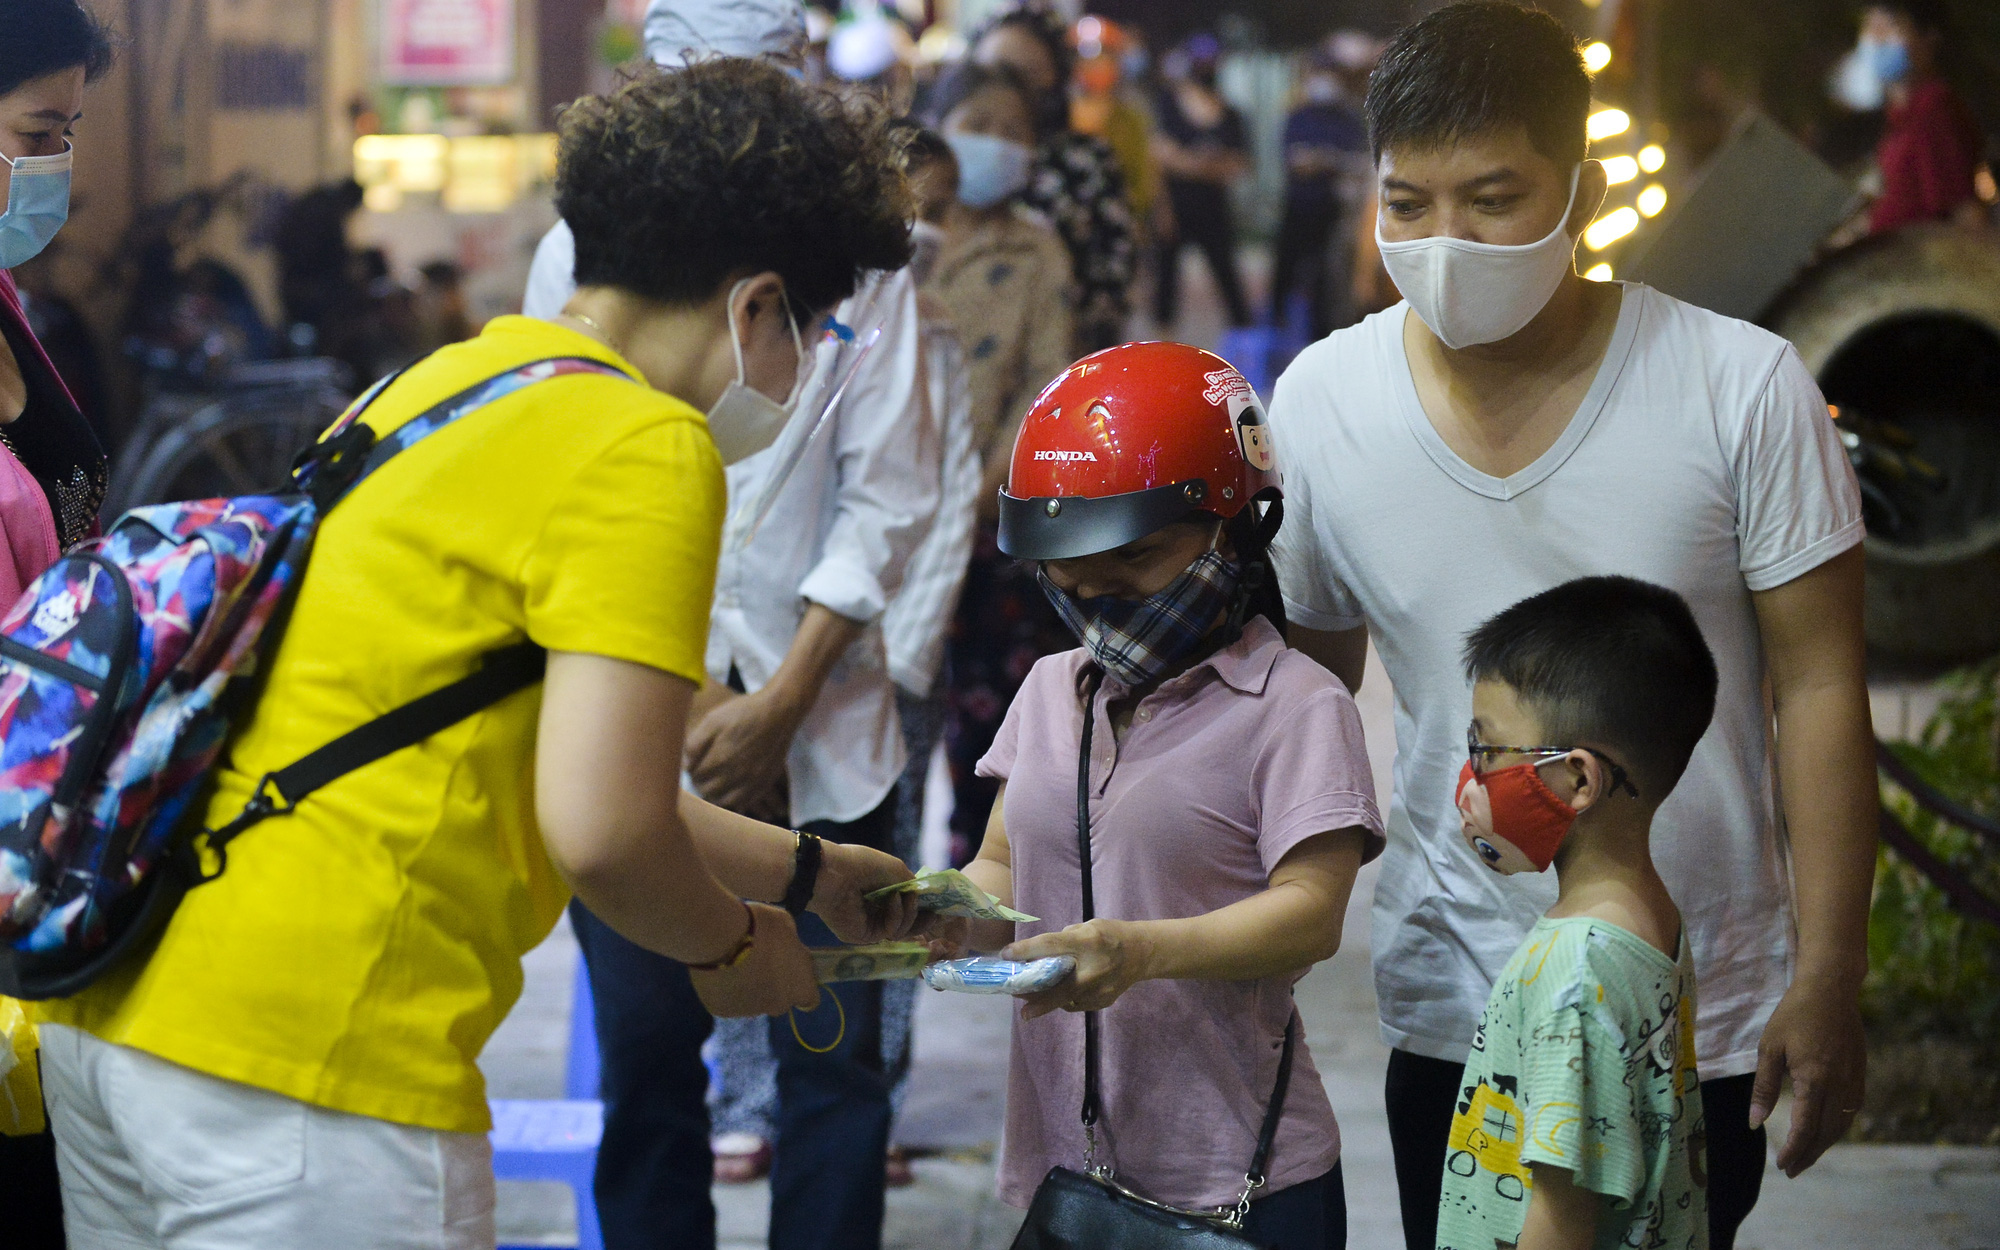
pixel 589 321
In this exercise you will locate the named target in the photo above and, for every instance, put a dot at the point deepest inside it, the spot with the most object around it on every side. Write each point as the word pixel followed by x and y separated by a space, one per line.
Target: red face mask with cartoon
pixel 1511 819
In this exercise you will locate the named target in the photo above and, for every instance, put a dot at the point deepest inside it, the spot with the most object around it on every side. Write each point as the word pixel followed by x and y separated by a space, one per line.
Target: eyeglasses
pixel 1481 755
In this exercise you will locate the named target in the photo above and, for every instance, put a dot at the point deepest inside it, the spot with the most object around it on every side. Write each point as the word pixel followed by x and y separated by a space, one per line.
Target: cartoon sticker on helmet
pixel 1230 389
pixel 1252 435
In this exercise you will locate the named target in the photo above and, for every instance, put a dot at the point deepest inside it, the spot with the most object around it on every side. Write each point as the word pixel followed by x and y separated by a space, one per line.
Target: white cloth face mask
pixel 1470 293
pixel 744 420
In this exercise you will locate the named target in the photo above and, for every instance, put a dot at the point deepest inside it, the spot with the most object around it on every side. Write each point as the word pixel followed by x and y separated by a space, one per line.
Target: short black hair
pixel 46 36
pixel 1039 19
pixel 967 79
pixel 1930 17
pixel 1477 66
pixel 1606 661
pixel 677 181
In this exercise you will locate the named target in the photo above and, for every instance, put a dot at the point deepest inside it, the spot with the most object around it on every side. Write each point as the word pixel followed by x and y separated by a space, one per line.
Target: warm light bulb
pixel 1652 200
pixel 1652 157
pixel 1619 169
pixel 1596 56
pixel 1610 228
pixel 1599 272
pixel 1608 122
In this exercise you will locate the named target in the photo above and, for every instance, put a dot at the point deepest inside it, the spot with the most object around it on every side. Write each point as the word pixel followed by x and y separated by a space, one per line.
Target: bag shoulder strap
pixel 1267 1136
pixel 501 672
pixel 334 466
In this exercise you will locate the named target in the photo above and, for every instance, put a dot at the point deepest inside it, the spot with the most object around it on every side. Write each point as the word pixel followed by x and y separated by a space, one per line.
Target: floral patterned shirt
pixel 1078 186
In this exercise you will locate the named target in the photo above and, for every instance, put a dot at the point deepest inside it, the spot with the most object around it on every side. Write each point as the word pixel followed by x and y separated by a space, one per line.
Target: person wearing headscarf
pixel 1076 181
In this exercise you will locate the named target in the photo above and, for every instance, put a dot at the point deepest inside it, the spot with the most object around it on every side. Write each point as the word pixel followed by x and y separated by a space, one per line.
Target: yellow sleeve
pixel 625 565
pixel 21 1087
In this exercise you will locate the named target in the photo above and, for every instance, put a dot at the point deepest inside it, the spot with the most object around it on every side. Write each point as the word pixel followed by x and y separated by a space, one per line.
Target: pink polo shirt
pixel 1223 770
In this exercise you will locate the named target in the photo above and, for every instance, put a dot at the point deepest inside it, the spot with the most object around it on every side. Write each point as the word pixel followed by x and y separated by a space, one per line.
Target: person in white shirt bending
pixel 1511 427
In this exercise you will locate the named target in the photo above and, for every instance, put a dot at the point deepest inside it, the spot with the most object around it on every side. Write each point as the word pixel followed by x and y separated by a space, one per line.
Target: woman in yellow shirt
pixel 294 1065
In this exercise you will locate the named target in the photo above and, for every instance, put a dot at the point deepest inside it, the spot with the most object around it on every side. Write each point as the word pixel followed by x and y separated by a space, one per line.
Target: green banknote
pixel 879 961
pixel 949 892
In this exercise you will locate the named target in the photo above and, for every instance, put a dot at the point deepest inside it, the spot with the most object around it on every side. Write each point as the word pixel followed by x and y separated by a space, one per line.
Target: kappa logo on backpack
pixel 122 670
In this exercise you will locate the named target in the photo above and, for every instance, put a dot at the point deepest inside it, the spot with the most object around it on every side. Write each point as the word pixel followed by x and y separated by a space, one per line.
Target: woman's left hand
pixel 1111 957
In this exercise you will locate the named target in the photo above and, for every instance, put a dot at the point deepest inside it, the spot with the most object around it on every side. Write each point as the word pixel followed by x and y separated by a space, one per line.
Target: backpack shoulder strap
pixel 501 672
pixel 351 451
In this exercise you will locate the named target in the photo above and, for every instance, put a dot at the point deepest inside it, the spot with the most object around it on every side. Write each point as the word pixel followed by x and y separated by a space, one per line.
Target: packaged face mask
pixel 999 976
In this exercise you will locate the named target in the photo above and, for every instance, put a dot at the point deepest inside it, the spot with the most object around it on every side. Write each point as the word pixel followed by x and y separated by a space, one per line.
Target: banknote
pixel 879 961
pixel 949 892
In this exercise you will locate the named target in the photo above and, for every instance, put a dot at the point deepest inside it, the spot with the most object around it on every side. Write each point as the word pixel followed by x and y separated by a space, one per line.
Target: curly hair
pixel 678 181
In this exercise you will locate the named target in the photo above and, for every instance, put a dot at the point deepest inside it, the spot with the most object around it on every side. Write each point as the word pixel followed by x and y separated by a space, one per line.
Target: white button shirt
pixel 840 535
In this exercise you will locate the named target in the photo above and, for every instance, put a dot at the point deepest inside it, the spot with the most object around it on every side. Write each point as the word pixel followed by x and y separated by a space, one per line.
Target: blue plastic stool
pixel 539 1140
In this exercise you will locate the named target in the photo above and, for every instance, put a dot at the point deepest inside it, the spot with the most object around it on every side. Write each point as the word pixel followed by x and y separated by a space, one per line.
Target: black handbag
pixel 1090 1210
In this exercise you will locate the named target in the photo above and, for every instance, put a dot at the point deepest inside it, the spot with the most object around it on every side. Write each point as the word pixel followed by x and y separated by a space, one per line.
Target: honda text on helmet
pixel 1125 443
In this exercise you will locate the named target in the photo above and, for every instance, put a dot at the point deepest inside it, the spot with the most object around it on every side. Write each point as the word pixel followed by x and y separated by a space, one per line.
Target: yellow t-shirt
pixel 358 953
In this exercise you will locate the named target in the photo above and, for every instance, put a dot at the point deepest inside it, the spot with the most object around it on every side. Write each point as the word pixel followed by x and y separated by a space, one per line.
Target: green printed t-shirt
pixel 1583 1060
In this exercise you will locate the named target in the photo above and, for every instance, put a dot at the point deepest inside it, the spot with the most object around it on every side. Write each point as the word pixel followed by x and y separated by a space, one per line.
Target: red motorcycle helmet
pixel 1129 440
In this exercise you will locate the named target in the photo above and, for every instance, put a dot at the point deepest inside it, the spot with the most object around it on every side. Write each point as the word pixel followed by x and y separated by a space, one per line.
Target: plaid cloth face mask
pixel 1138 640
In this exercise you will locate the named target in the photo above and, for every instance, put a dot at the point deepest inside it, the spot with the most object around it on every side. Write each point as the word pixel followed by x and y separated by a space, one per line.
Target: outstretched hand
pixel 1111 958
pixel 847 873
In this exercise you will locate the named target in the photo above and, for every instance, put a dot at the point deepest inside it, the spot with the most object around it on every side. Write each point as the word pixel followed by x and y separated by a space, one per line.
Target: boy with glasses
pixel 1578 1121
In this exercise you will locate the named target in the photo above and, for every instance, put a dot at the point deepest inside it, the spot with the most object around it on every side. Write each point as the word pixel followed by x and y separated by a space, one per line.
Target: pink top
pixel 28 542
pixel 1223 770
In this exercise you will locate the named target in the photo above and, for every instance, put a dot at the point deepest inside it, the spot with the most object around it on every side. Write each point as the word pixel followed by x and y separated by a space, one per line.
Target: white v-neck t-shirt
pixel 1702 459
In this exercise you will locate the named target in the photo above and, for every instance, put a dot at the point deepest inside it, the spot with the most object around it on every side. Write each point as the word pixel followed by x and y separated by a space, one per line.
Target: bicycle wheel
pixel 238 445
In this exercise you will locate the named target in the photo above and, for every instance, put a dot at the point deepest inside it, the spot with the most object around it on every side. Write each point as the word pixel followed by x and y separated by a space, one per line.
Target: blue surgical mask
pixel 37 205
pixel 990 169
pixel 1889 58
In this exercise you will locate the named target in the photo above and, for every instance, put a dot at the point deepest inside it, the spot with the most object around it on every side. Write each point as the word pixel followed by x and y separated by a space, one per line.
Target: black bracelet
pixel 806 858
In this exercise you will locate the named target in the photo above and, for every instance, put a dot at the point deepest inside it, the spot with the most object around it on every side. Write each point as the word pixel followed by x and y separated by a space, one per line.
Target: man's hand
pixel 846 873
pixel 1111 957
pixel 736 754
pixel 775 975
pixel 1814 1037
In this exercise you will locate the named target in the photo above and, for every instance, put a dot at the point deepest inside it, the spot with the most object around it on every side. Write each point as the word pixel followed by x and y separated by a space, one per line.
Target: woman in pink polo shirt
pixel 1228 800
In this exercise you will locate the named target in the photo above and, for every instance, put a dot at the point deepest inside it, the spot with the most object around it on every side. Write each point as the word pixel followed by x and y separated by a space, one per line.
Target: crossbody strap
pixel 331 470
pixel 1267 1136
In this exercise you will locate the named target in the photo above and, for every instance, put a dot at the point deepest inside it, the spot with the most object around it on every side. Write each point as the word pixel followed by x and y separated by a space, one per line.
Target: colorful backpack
pixel 125 666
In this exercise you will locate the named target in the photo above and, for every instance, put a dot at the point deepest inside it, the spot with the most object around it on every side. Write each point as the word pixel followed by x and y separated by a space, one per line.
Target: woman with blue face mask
pixel 52 471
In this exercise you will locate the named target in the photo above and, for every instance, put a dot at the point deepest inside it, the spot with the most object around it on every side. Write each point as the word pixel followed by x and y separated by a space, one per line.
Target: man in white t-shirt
pixel 1511 427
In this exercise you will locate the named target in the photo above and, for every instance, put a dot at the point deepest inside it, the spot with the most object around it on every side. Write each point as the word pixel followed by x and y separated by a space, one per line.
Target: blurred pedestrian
pixel 1107 106
pixel 1076 182
pixel 1204 150
pixel 320 1087
pixel 1217 823
pixel 1931 147
pixel 1326 145
pixel 52 470
pixel 1003 276
pixel 918 620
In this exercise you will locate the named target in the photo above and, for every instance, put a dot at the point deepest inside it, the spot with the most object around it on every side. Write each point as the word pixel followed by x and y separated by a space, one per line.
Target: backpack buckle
pixel 266 800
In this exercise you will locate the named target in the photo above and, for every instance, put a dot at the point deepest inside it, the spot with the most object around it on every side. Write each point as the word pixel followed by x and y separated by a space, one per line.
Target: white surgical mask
pixel 37 205
pixel 1470 293
pixel 744 420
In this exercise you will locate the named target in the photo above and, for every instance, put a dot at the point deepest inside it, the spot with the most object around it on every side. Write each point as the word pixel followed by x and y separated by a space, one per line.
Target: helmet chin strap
pixel 1252 554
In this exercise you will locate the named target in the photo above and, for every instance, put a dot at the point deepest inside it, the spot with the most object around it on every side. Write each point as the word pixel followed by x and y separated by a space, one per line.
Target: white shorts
pixel 155 1156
